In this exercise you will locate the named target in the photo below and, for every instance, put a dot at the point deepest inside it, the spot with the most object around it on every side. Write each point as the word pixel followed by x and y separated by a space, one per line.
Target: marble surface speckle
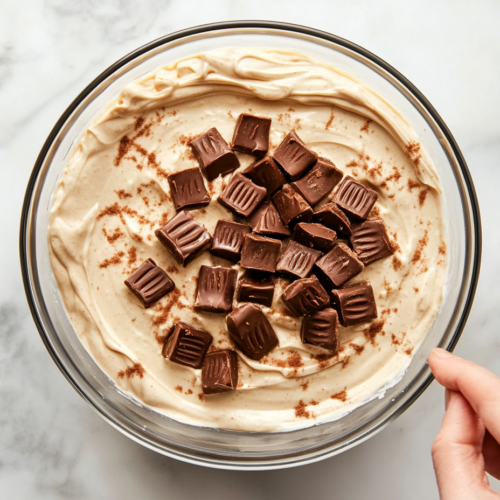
pixel 52 445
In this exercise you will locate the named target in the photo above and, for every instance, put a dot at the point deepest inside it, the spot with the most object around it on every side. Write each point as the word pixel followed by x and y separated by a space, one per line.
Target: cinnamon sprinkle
pixel 341 396
pixel 122 194
pixel 116 259
pixel 131 371
pixel 373 330
pixel 366 126
pixel 112 237
pixel 330 120
pixel 422 243
pixel 300 410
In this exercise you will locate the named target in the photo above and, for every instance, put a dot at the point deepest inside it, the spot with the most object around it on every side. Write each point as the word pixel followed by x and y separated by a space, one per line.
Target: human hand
pixel 467 444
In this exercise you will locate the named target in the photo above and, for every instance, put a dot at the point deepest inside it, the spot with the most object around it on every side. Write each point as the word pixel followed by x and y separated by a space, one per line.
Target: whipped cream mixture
pixel 114 193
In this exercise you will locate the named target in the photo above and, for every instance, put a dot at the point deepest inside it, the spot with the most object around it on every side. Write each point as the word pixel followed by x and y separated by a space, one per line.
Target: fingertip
pixel 439 354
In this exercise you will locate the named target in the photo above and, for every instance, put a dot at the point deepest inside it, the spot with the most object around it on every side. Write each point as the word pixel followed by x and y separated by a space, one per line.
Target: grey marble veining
pixel 52 445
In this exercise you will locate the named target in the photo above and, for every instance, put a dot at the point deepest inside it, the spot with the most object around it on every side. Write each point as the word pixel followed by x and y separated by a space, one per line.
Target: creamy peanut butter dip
pixel 114 193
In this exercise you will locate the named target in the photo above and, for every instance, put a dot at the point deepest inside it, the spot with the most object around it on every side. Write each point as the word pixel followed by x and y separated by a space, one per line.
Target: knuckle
pixel 440 443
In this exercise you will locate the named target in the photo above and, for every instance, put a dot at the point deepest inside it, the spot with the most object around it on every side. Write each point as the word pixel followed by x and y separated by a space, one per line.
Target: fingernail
pixel 441 353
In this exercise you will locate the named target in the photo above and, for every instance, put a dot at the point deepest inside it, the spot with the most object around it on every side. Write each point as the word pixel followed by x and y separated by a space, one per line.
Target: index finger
pixel 479 386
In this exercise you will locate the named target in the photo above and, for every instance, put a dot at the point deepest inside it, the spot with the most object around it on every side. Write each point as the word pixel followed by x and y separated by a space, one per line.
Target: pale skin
pixel 466 447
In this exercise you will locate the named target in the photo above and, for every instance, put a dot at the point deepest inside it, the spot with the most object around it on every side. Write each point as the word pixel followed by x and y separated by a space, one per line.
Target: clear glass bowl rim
pixel 475 251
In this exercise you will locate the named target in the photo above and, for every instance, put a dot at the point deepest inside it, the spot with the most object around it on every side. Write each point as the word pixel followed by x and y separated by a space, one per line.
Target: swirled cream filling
pixel 114 193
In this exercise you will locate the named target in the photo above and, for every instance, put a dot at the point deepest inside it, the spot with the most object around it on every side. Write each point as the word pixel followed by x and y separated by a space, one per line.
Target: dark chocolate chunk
pixel 267 174
pixel 215 291
pixel 188 189
pixel 183 237
pixel 369 240
pixel 214 155
pixel 260 253
pixel 332 217
pixel 251 331
pixel 251 134
pixel 318 182
pixel 149 283
pixel 187 345
pixel 338 266
pixel 355 303
pixel 304 296
pixel 258 292
pixel 297 260
pixel 315 236
pixel 267 221
pixel 291 206
pixel 219 372
pixel 294 156
pixel 228 239
pixel 242 196
pixel 321 329
pixel 354 198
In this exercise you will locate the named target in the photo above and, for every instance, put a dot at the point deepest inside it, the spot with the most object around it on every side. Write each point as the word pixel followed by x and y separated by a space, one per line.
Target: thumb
pixel 457 453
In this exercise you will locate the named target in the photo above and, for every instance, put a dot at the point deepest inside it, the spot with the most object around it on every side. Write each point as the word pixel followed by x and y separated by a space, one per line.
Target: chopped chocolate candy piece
pixel 319 181
pixel 251 331
pixel 369 240
pixel 215 290
pixel 228 239
pixel 291 206
pixel 259 292
pixel 355 199
pixel 183 237
pixel 267 174
pixel 267 221
pixel 260 253
pixel 321 328
pixel 355 303
pixel 315 236
pixel 187 345
pixel 251 134
pixel 213 154
pixel 149 283
pixel 242 196
pixel 219 372
pixel 294 156
pixel 331 216
pixel 338 266
pixel 297 260
pixel 188 189
pixel 304 296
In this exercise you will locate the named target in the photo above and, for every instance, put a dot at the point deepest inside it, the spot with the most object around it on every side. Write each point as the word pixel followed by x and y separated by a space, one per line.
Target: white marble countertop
pixel 52 445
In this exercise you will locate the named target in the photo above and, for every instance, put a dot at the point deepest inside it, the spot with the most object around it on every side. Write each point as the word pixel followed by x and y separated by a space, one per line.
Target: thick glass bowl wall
pixel 229 449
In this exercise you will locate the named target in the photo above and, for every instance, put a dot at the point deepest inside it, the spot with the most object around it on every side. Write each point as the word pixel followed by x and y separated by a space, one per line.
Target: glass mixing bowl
pixel 222 448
